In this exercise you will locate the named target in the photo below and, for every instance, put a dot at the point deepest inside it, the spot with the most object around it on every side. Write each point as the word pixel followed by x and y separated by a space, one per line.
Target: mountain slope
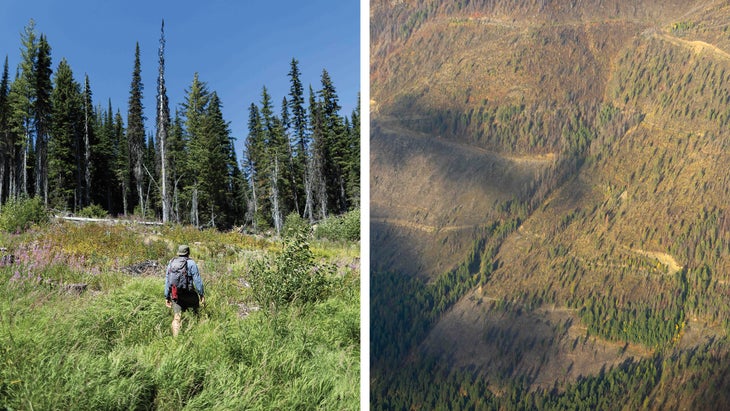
pixel 620 261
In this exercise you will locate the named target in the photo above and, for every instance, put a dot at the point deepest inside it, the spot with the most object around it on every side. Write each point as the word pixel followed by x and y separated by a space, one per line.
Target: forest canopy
pixel 59 145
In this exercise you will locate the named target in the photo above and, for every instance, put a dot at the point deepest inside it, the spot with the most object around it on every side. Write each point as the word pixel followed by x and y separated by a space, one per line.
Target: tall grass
pixel 111 347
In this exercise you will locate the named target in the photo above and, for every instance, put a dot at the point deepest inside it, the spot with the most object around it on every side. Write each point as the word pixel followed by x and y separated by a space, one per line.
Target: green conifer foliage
pixel 135 129
pixel 66 139
pixel 42 115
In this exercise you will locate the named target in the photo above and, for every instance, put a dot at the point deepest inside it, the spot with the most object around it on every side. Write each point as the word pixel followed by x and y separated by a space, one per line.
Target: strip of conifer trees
pixel 55 143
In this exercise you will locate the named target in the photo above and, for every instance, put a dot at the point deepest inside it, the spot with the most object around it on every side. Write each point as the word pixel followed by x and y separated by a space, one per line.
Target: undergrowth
pixel 110 347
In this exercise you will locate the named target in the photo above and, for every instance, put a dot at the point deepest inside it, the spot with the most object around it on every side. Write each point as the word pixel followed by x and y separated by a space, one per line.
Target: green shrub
pixel 294 225
pixel 290 277
pixel 93 211
pixel 19 215
pixel 345 227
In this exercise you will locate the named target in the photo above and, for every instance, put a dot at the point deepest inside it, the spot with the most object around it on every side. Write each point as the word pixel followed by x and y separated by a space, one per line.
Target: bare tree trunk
pixel 163 176
pixel 147 199
pixel 124 197
pixel 140 186
pixel 308 190
pixel 12 176
pixel 275 211
pixel 255 204
pixel 2 178
pixel 176 200
pixel 194 208
pixel 39 165
pixel 320 186
pixel 293 177
pixel 24 163
pixel 162 120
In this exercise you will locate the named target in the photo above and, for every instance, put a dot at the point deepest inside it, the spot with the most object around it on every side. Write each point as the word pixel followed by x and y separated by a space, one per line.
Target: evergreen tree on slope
pixel 135 129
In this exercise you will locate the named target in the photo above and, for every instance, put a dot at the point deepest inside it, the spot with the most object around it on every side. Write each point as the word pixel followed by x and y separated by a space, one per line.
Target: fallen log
pixel 105 220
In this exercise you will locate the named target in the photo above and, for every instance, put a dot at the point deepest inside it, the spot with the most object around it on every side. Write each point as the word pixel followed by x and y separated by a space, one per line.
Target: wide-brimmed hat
pixel 183 250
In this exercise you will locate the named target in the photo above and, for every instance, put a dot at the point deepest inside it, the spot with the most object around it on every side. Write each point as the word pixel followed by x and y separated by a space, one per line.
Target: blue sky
pixel 237 47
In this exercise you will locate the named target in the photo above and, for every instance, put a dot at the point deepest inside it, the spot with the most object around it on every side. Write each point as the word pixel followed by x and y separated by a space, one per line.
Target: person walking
pixel 183 287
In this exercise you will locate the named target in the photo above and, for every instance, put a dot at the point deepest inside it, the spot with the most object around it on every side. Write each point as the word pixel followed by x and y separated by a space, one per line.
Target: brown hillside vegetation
pixel 606 122
pixel 410 170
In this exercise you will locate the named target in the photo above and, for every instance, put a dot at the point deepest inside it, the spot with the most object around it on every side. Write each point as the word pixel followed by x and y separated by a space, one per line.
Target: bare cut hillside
pixel 608 123
pixel 641 230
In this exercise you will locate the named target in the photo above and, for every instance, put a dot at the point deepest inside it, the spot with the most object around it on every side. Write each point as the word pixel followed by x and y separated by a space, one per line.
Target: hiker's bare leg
pixel 176 324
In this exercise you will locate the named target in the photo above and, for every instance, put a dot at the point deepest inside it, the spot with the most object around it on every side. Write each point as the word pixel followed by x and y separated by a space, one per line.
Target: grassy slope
pixel 111 347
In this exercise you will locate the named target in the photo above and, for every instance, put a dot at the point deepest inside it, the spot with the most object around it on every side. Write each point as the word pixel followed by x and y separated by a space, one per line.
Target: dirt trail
pixel 420 227
pixel 697 45
pixel 393 125
pixel 663 258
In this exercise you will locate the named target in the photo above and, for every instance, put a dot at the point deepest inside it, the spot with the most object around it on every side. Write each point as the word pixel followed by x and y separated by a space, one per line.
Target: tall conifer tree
pixel 195 109
pixel 163 125
pixel 316 169
pixel 122 165
pixel 353 161
pixel 253 167
pixel 177 164
pixel 5 141
pixel 135 129
pixel 274 161
pixel 22 107
pixel 216 176
pixel 293 189
pixel 103 158
pixel 13 139
pixel 42 115
pixel 300 138
pixel 334 147
pixel 67 130
pixel 88 141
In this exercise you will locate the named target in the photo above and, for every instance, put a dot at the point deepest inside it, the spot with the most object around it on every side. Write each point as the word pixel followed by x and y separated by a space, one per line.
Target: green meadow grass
pixel 111 346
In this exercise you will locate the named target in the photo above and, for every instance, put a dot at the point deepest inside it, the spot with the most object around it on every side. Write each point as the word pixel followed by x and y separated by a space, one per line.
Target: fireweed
pixel 42 262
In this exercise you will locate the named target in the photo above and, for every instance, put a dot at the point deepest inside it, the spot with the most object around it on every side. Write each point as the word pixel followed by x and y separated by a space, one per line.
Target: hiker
pixel 183 286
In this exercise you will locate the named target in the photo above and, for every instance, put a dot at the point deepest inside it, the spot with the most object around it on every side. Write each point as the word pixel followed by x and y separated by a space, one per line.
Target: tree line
pixel 55 144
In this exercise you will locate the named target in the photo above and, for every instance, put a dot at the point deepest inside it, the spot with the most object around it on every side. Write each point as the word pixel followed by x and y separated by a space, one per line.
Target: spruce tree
pixel 254 165
pixel 334 146
pixel 276 148
pixel 88 141
pixel 135 129
pixel 298 111
pixel 103 159
pixel 5 141
pixel 216 177
pixel 177 160
pixel 317 167
pixel 15 131
pixel 239 188
pixel 64 144
pixel 42 115
pixel 122 165
pixel 195 109
pixel 22 101
pixel 163 125
pixel 294 188
pixel 352 166
pixel 300 139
